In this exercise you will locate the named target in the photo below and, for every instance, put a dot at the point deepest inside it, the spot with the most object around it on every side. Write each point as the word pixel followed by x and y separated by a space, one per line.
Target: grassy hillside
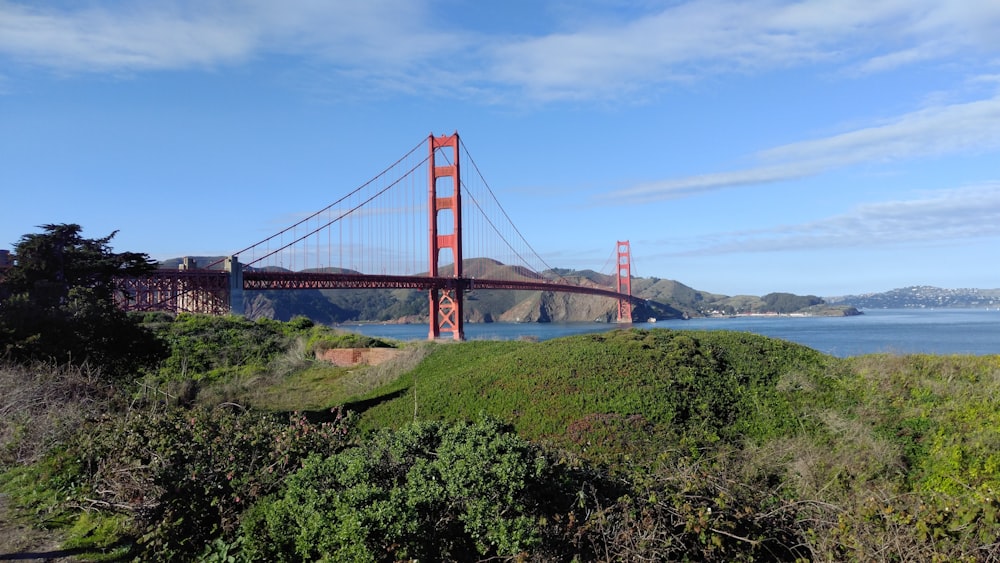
pixel 628 445
pixel 621 392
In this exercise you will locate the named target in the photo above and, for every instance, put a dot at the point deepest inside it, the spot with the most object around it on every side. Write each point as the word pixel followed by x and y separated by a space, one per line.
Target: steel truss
pixel 190 291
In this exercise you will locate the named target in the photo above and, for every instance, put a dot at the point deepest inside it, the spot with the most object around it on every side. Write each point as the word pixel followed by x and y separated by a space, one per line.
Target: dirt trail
pixel 21 543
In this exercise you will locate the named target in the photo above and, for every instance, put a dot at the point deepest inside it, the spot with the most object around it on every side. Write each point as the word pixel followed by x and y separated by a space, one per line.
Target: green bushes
pixel 186 476
pixel 459 492
pixel 915 527
pixel 629 445
pixel 699 510
pixel 430 491
pixel 212 348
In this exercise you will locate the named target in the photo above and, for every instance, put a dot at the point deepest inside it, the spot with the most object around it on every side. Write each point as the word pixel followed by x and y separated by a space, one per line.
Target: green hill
pixel 621 392
pixel 627 445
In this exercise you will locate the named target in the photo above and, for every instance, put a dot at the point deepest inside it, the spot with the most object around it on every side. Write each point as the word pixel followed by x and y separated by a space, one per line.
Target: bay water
pixel 898 331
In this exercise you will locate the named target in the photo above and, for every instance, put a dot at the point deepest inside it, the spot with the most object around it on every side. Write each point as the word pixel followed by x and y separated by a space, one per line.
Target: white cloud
pixel 100 40
pixel 928 132
pixel 693 185
pixel 944 216
pixel 705 37
pixel 180 34
pixel 972 127
pixel 590 57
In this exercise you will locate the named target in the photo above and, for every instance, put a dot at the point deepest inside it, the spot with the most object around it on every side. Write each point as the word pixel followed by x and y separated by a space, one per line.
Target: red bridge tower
pixel 446 300
pixel 624 281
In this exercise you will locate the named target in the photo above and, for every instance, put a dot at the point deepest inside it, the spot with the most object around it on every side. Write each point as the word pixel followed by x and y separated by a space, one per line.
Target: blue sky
pixel 819 147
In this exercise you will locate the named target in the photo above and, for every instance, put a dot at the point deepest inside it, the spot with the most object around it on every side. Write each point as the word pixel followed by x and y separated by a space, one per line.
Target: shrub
pixel 329 341
pixel 430 491
pixel 43 405
pixel 187 476
pixel 206 347
pixel 698 510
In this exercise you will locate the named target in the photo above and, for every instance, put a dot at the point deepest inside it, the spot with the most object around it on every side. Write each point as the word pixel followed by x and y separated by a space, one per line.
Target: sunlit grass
pixel 320 385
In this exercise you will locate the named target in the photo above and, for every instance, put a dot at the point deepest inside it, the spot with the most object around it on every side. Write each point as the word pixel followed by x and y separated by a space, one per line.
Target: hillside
pixel 653 445
pixel 623 392
pixel 922 297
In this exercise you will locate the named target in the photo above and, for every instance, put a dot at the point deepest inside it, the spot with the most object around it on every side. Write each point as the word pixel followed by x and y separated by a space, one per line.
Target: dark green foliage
pixel 377 304
pixel 789 302
pixel 59 305
pixel 188 475
pixel 52 264
pixel 207 347
pixel 658 445
pixel 430 491
pixel 328 341
pixel 461 492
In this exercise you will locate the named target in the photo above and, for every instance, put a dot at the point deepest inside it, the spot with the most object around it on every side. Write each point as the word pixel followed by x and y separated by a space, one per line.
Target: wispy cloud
pixel 944 216
pixel 707 37
pixel 602 56
pixel 972 127
pixel 185 34
pixel 100 40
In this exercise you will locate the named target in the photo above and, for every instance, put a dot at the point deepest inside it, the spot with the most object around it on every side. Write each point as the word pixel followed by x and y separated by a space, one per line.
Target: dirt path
pixel 21 543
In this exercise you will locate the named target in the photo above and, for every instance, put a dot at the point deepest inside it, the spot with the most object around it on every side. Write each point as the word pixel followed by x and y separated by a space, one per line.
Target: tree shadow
pixel 68 554
pixel 359 407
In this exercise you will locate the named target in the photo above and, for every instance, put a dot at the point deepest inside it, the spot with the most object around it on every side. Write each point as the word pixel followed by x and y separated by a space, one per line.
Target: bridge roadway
pixel 265 280
pixel 215 292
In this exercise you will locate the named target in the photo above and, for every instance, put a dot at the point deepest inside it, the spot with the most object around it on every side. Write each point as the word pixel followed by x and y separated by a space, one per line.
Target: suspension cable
pixel 349 211
pixel 509 221
pixel 327 208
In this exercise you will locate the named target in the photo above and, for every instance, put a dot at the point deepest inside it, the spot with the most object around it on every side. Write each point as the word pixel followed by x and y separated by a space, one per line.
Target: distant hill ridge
pixel 922 297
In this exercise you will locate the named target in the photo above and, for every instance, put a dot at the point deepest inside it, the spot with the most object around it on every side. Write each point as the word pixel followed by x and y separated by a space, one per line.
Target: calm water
pixel 940 331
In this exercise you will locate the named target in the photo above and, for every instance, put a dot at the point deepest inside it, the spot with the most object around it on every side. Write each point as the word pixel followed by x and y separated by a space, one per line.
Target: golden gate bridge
pixel 409 227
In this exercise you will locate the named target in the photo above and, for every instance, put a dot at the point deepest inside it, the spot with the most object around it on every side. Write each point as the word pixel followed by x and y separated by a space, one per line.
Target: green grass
pixel 885 449
pixel 317 385
pixel 314 388
pixel 658 387
pixel 40 489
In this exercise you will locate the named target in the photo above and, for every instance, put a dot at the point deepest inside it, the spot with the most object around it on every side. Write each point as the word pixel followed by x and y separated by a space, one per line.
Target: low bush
pixel 42 405
pixel 702 509
pixel 210 348
pixel 329 341
pixel 430 491
pixel 185 476
pixel 647 445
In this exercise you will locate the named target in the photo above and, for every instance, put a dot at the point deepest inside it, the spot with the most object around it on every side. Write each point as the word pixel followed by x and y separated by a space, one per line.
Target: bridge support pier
pixel 448 302
pixel 237 306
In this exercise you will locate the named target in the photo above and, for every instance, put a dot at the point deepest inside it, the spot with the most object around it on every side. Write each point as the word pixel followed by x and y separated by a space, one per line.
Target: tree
pixel 59 303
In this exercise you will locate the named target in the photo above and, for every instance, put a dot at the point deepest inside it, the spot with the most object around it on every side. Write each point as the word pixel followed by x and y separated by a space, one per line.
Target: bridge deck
pixel 262 280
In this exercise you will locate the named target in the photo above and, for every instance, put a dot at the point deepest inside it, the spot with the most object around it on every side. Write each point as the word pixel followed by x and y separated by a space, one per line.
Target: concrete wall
pixel 347 357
